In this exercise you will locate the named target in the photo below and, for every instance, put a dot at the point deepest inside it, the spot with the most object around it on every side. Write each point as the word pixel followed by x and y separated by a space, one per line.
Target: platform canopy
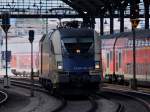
pixel 104 7
pixel 33 8
pixel 66 8
pixel 96 7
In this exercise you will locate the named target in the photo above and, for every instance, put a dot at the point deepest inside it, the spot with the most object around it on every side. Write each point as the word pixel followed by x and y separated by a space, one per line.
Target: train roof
pixel 71 32
pixel 125 39
pixel 43 37
pixel 76 32
pixel 139 34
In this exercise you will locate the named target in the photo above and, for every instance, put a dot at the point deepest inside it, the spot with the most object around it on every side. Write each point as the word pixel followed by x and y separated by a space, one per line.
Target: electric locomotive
pixel 70 58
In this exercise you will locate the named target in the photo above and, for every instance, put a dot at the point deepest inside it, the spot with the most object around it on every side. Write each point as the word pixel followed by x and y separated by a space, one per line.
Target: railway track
pixel 124 88
pixel 94 105
pixel 127 101
pixel 120 107
pixel 26 84
pixel 89 104
pixel 142 94
pixel 145 99
pixel 130 102
pixel 3 97
pixel 64 104
pixel 39 88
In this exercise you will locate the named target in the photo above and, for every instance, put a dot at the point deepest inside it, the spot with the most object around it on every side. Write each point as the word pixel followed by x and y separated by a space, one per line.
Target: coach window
pixel 111 55
pixel 107 60
pixel 52 47
pixel 120 59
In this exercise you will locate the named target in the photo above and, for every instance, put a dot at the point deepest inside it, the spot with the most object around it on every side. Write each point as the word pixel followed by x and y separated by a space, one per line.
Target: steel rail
pixel 62 106
pixel 120 107
pixel 26 83
pixel 5 95
pixel 140 100
pixel 39 88
pixel 93 103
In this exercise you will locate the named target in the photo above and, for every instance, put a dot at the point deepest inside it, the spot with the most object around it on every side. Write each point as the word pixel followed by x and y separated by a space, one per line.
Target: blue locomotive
pixel 70 58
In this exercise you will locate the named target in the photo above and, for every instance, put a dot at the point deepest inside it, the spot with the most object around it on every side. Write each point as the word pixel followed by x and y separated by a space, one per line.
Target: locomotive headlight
pixel 97 65
pixel 59 65
pixel 78 51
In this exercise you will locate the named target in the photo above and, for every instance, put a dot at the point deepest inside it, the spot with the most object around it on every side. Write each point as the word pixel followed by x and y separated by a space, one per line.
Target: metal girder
pixel 95 7
pixel 65 16
pixel 85 5
pixel 42 16
pixel 83 8
pixel 74 6
pixel 35 6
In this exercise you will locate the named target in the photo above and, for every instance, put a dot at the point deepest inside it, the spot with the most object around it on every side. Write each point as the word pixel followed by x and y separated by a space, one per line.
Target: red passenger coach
pixel 20 61
pixel 117 56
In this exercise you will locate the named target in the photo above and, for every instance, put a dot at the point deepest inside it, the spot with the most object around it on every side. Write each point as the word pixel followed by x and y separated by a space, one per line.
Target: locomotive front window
pixel 77 46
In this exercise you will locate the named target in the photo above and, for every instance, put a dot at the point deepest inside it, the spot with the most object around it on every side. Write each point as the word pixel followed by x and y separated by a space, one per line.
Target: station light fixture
pixel 85 12
pixel 102 7
pixel 122 2
pixel 105 22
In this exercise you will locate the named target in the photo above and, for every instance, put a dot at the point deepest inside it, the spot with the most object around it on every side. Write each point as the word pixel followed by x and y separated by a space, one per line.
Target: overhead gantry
pixel 86 9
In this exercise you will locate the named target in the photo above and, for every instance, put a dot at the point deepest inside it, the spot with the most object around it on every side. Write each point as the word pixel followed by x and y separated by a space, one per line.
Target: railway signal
pixel 134 12
pixel 5 26
pixel 31 38
pixel 133 82
pixel 135 23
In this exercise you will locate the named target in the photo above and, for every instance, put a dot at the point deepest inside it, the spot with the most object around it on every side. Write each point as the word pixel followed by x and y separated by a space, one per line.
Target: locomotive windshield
pixel 73 46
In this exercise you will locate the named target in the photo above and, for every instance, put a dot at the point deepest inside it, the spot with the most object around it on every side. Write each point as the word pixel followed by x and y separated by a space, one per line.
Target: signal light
pixel 31 35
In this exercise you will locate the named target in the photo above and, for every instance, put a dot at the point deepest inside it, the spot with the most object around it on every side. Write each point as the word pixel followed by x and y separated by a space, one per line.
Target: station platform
pixel 145 90
pixel 3 72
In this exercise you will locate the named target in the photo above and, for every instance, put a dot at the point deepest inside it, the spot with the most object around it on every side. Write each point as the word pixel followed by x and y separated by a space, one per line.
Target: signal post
pixel 133 82
pixel 134 13
pixel 31 38
pixel 5 26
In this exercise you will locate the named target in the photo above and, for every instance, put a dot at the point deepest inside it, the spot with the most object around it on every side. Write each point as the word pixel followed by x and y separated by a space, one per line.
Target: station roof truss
pixel 103 8
pixel 36 8
pixel 67 8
